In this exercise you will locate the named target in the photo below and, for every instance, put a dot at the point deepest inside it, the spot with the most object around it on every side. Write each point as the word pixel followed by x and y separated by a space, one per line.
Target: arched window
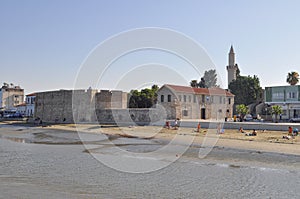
pixel 162 98
pixel 169 98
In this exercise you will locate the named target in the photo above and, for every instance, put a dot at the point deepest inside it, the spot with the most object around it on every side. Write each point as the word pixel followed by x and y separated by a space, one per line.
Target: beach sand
pixel 267 141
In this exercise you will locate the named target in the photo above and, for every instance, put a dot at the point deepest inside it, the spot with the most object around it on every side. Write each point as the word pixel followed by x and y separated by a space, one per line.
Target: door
pixel 203 113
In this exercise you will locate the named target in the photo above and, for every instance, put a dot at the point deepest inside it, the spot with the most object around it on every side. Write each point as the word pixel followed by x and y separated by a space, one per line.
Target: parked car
pixel 17 115
pixel 248 117
pixel 296 119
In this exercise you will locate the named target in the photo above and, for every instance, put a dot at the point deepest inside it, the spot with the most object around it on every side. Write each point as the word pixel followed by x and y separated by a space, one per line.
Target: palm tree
pixel 292 78
pixel 242 109
pixel 276 110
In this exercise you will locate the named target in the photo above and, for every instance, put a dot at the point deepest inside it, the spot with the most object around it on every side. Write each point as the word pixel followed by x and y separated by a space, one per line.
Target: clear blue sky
pixel 43 43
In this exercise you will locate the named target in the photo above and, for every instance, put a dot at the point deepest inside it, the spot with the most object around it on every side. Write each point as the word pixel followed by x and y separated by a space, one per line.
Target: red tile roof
pixel 205 91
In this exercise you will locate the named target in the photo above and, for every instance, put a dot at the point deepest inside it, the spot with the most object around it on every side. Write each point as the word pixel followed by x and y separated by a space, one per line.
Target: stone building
pixel 77 105
pixel 11 96
pixel 195 103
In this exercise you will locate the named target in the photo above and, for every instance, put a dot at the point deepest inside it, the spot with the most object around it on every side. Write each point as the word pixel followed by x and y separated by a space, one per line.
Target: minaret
pixel 232 66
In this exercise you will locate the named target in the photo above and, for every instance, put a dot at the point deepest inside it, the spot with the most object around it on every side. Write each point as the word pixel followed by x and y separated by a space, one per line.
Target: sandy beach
pixel 268 141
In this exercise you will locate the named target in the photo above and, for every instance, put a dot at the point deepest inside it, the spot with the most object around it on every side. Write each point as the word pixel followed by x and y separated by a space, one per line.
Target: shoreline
pixel 266 141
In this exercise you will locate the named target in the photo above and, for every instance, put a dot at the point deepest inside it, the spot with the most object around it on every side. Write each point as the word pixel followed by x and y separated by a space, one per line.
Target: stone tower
pixel 232 66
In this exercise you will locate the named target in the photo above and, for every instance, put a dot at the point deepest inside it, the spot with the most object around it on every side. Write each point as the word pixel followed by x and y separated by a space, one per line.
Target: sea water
pixel 31 170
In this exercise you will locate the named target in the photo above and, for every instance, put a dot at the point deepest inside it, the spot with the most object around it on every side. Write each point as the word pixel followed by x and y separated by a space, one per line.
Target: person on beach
pixel 167 124
pixel 254 133
pixel 198 127
pixel 175 124
pixel 295 132
pixel 290 131
pixel 219 129
pixel 241 130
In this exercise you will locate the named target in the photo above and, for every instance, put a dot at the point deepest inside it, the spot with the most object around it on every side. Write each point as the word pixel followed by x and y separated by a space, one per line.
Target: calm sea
pixel 31 170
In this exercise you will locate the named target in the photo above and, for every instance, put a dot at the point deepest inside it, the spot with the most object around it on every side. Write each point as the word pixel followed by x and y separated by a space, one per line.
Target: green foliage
pixel 145 98
pixel 202 83
pixel 194 83
pixel 292 78
pixel 242 109
pixel 210 78
pixel 246 89
pixel 276 110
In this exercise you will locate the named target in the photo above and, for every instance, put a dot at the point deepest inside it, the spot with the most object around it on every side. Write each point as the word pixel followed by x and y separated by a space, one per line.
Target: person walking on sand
pixel 198 127
pixel 175 124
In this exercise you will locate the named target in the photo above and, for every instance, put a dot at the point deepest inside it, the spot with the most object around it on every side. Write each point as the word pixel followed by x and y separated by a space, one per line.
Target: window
pixel 179 98
pixel 220 99
pixel 229 100
pixel 169 98
pixel 185 113
pixel 190 98
pixel 162 98
pixel 292 95
pixel 184 98
pixel 195 98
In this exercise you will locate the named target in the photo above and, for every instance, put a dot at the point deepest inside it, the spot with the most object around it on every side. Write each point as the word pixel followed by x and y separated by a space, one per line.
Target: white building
pixel 288 97
pixel 10 96
pixel 186 102
pixel 30 104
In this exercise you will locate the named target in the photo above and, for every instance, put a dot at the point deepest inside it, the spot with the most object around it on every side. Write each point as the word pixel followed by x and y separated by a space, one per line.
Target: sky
pixel 45 44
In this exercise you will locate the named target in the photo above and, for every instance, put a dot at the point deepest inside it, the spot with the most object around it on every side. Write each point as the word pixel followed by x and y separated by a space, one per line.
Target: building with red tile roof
pixel 186 102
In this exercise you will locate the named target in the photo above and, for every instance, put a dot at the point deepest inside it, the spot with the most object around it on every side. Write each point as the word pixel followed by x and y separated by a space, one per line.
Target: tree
pixel 292 78
pixel 276 110
pixel 242 109
pixel 145 98
pixel 194 83
pixel 246 89
pixel 202 83
pixel 210 78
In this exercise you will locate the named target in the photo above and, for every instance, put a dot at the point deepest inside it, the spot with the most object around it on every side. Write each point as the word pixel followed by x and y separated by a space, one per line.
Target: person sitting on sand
pixel 286 137
pixel 295 132
pixel 254 133
pixel 241 130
